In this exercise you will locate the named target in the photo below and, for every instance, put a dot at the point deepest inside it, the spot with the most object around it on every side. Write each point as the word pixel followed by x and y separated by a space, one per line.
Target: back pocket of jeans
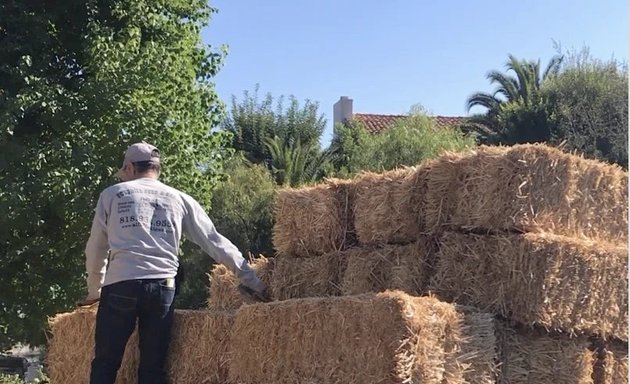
pixel 121 303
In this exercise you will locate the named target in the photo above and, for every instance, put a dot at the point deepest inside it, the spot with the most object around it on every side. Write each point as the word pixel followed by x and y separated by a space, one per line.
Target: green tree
pixel 242 206
pixel 347 148
pixel 590 104
pixel 79 81
pixel 409 142
pixel 517 111
pixel 254 122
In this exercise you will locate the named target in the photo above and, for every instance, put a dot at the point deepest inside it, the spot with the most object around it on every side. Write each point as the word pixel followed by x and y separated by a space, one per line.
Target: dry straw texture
pixel 553 281
pixel 471 348
pixel 466 181
pixel 199 347
pixel 405 268
pixel 385 204
pixel 384 338
pixel 615 365
pixel 224 294
pixel 530 358
pixel 198 350
pixel 308 277
pixel 314 220
pixel 528 188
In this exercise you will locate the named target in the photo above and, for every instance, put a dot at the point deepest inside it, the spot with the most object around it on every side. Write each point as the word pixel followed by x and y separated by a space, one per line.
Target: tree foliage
pixel 590 105
pixel 285 139
pixel 517 111
pixel 409 142
pixel 242 206
pixel 578 102
pixel 79 81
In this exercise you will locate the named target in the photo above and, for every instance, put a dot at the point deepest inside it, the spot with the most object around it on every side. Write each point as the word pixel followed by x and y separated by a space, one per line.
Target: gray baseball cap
pixel 139 152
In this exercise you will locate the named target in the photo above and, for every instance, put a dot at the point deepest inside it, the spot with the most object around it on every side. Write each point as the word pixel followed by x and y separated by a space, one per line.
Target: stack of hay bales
pixel 499 265
pixel 531 234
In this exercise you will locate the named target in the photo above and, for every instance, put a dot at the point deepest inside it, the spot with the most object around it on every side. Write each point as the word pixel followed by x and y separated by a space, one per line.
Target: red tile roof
pixel 378 123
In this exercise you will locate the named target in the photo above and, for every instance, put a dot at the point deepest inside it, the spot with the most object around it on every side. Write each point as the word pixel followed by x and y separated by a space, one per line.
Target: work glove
pixel 251 295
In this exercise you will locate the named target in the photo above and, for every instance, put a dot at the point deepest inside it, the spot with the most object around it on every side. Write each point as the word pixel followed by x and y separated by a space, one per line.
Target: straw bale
pixel 560 283
pixel 457 183
pixel 600 201
pixel 224 294
pixel 527 357
pixel 528 188
pixel 615 365
pixel 385 204
pixel 565 194
pixel 402 267
pixel 472 349
pixel 308 277
pixel 198 351
pixel 388 337
pixel 313 220
pixel 199 347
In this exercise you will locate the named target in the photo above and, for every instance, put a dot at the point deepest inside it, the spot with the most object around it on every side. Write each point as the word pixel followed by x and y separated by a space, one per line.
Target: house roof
pixel 378 123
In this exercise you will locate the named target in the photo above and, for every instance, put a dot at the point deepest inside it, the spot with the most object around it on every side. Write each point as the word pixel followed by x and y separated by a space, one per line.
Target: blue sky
pixel 388 56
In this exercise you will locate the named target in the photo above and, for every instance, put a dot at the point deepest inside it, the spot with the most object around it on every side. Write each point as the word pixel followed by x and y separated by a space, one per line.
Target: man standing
pixel 139 222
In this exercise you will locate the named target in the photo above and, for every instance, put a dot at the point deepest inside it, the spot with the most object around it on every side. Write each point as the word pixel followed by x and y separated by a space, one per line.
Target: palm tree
pixel 523 90
pixel 296 164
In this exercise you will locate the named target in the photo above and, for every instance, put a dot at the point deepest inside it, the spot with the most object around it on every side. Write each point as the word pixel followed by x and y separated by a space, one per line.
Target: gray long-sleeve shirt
pixel 140 224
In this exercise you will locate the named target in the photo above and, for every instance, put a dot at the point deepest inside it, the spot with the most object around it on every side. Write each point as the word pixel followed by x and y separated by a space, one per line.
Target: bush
pixel 590 103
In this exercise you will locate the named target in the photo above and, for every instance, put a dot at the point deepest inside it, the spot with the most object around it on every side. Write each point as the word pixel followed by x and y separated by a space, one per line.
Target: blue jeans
pixel 151 302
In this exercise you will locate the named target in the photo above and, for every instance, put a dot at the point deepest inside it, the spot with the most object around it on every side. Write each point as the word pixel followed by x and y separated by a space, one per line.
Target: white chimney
pixel 342 110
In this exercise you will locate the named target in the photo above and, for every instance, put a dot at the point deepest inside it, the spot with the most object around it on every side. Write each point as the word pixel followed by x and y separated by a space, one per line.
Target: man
pixel 140 223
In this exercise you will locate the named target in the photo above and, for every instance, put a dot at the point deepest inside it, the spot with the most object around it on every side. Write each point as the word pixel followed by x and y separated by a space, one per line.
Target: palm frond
pixel 523 71
pixel 482 99
pixel 508 86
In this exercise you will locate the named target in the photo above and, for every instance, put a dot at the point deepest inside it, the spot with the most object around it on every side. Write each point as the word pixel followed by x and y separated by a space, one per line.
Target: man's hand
pixel 87 302
pixel 261 297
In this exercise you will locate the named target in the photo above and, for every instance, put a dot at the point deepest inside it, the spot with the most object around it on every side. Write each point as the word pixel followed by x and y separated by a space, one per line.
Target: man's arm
pixel 199 228
pixel 96 251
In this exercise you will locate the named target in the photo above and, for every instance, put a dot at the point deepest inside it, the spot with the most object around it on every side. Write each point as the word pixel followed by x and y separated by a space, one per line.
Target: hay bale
pixel 198 351
pixel 405 268
pixel 600 201
pixel 313 220
pixel 374 338
pixel 385 204
pixel 199 347
pixel 527 357
pixel 527 188
pixel 224 294
pixel 560 283
pixel 471 349
pixel 458 184
pixel 308 277
pixel 615 365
